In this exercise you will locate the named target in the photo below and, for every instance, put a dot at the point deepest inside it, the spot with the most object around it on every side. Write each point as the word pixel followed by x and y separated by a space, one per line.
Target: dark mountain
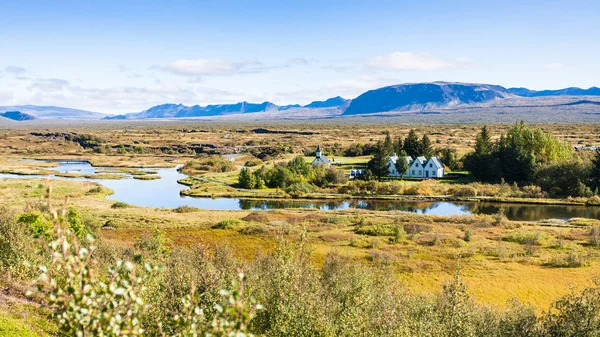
pixel 183 111
pixel 17 116
pixel 53 112
pixel 593 91
pixel 329 103
pixel 421 96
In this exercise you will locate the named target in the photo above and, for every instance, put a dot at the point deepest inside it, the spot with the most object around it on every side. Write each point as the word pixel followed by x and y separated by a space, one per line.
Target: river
pixel 164 193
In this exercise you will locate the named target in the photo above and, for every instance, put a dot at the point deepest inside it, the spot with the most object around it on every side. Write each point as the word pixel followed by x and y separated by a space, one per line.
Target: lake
pixel 164 193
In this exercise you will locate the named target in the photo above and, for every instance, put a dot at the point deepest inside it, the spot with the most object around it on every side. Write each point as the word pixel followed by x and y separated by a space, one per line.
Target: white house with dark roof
pixel 420 167
pixel 320 159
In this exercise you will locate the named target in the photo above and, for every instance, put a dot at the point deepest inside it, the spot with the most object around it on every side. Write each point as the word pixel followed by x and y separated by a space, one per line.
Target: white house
pixel 420 167
pixel 320 159
pixel 392 166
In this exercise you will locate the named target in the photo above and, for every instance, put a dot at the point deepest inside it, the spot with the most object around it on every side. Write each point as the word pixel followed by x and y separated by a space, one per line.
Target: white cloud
pixel 554 65
pixel 15 70
pixel 5 96
pixel 410 61
pixel 205 67
pixel 50 84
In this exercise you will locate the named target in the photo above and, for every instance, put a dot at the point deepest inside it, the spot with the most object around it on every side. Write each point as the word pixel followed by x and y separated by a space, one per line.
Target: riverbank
pixel 201 187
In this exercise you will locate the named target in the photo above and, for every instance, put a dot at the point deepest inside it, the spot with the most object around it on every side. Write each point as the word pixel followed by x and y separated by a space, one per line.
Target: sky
pixel 126 56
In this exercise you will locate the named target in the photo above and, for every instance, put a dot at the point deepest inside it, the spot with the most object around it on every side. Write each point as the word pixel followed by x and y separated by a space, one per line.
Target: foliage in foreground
pixel 93 288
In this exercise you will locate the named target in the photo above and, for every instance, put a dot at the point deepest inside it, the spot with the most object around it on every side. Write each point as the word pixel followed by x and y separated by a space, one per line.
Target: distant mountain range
pixel 53 112
pixel 524 92
pixel 410 97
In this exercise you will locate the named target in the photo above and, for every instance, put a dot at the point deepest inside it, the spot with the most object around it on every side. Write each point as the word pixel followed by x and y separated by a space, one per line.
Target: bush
pixel 463 191
pixel 595 236
pixel 300 189
pixel 468 236
pixel 119 204
pixel 593 201
pixel 525 238
pixel 38 224
pixel 186 209
pixel 253 230
pixel 376 230
pixel 228 224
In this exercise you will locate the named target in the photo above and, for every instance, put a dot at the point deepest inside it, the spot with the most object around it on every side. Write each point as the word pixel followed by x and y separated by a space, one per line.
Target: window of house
pixel 433 173
pixel 430 165
pixel 413 172
pixel 417 165
pixel 420 172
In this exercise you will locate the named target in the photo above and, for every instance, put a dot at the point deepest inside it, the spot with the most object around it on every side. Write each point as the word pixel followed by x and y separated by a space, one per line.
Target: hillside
pixel 17 116
pixel 422 96
pixel 53 112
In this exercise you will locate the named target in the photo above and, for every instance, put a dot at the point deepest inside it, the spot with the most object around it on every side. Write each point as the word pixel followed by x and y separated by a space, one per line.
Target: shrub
pixel 468 235
pixel 463 191
pixel 228 224
pixel 253 230
pixel 376 230
pixel 119 204
pixel 38 224
pixel 595 236
pixel 593 201
pixel 525 238
pixel 299 189
pixel 186 209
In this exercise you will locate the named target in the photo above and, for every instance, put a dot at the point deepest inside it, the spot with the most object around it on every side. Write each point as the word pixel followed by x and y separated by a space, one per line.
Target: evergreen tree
pixel 483 142
pixel 378 165
pixel 388 144
pixel 411 144
pixel 425 147
pixel 483 163
pixel 399 145
pixel 401 164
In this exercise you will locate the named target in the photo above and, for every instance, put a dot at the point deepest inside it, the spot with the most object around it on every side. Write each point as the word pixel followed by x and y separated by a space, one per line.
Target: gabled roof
pixel 421 160
pixel 394 158
pixel 320 161
pixel 437 162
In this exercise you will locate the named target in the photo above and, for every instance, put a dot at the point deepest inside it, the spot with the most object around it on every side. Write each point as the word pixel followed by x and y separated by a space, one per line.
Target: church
pixel 320 159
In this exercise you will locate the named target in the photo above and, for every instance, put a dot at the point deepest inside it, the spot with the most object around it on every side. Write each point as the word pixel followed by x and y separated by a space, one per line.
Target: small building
pixel 320 159
pixel 356 173
pixel 420 167
pixel 392 166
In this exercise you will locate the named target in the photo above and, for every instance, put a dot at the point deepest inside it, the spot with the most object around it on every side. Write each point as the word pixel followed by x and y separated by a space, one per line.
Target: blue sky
pixel 125 56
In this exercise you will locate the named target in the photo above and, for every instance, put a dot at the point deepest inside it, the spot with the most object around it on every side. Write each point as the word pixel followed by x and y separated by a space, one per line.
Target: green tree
pixel 379 163
pixel 483 142
pixel 246 179
pixel 449 157
pixel 401 164
pixel 388 144
pixel 595 174
pixel 412 145
pixel 425 147
pixel 483 163
pixel 299 166
pixel 399 145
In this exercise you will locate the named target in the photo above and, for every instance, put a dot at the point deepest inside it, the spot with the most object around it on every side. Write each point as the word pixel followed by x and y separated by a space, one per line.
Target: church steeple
pixel 318 152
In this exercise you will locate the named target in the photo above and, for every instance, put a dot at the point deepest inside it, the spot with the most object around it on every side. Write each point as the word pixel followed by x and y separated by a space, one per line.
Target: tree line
pixel 526 155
